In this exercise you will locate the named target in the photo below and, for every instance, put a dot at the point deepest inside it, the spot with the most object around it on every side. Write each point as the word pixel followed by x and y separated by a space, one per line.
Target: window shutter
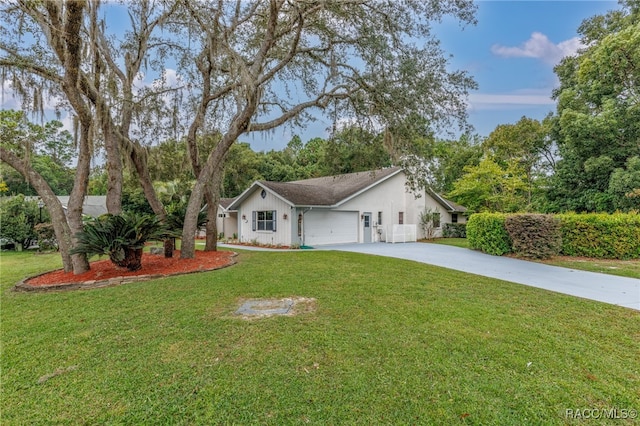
pixel 254 218
pixel 274 213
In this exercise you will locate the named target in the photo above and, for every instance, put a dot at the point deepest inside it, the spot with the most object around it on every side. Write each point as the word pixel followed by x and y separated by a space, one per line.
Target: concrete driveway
pixel 611 289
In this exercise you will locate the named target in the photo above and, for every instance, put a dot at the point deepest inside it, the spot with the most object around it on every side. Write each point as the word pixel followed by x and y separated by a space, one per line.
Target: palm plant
pixel 121 237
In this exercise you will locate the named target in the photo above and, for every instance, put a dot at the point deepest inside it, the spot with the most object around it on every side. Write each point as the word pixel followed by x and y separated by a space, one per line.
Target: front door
pixel 366 227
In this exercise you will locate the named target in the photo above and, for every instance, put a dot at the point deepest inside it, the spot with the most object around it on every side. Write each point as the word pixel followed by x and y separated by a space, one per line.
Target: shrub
pixel 535 236
pixel 601 235
pixel 487 232
pixel 46 237
pixel 121 237
pixel 18 216
pixel 454 230
pixel 429 222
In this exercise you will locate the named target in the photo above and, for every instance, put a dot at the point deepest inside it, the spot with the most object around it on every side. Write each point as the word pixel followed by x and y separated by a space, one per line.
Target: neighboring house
pixel 93 205
pixel 352 208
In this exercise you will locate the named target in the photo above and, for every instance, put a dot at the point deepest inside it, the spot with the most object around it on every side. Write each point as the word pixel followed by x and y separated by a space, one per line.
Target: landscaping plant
pixel 486 232
pixel 121 237
pixel 535 236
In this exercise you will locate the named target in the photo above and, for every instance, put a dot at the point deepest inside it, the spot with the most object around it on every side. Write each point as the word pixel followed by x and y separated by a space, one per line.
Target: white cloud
pixel 486 101
pixel 539 47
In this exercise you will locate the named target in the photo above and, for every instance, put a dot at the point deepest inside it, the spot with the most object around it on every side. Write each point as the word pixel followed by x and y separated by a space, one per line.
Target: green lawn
pixel 623 268
pixel 390 341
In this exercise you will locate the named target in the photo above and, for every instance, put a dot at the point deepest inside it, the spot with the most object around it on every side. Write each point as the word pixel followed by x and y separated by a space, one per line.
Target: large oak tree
pixel 264 64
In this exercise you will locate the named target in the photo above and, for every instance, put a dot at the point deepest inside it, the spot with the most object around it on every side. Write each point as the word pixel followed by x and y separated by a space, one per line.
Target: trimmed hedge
pixel 454 230
pixel 536 236
pixel 603 235
pixel 598 235
pixel 486 232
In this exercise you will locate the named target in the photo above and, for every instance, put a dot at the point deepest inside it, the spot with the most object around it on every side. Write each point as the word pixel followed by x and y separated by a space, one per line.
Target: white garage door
pixel 330 227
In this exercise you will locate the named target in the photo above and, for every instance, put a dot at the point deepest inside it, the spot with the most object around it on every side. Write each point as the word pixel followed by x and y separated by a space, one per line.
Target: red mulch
pixel 152 264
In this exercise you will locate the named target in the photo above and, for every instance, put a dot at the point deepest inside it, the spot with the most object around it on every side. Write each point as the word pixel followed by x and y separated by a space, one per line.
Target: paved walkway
pixel 589 285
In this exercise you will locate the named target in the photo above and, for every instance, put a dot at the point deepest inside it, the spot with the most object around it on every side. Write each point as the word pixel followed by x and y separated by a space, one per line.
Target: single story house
pixel 359 207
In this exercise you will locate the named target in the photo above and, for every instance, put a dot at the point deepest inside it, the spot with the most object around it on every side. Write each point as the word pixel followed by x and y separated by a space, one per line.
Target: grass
pixel 390 341
pixel 623 268
pixel 456 242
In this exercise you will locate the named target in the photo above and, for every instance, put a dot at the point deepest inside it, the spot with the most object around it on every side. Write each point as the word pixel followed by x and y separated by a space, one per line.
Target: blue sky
pixel 510 53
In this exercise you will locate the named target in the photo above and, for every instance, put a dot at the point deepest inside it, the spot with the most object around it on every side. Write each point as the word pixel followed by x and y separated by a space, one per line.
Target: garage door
pixel 330 227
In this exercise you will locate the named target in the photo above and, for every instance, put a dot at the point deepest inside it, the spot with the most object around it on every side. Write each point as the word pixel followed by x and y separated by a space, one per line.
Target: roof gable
pixel 449 205
pixel 225 202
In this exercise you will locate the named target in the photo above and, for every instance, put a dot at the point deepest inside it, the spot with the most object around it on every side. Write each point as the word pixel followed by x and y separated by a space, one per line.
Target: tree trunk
pixel 211 242
pixel 58 218
pixel 76 198
pixel 132 259
pixel 213 198
pixel 211 171
pixel 71 57
pixel 190 226
pixel 140 163
pixel 168 248
pixel 114 168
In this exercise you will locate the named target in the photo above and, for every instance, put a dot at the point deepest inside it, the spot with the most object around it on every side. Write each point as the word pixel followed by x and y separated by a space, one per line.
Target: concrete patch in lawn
pixel 258 308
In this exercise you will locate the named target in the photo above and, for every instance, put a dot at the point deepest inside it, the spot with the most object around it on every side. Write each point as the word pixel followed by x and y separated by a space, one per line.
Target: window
pixel 454 217
pixel 401 218
pixel 436 220
pixel 221 215
pixel 379 218
pixel 264 220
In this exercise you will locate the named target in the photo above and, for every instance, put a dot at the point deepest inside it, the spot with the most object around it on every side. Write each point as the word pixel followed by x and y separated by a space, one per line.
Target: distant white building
pixel 93 205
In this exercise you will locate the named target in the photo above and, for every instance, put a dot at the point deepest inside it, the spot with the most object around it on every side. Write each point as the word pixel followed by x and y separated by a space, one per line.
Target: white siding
pixel 392 197
pixel 228 224
pixel 282 234
pixel 389 197
pixel 445 216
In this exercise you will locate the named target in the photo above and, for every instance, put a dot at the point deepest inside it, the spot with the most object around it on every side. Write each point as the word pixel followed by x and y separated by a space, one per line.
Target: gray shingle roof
pixel 447 204
pixel 332 190
pixel 225 202
pixel 329 190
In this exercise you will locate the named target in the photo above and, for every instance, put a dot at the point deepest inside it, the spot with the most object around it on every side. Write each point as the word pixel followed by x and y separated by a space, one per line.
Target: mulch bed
pixel 104 272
